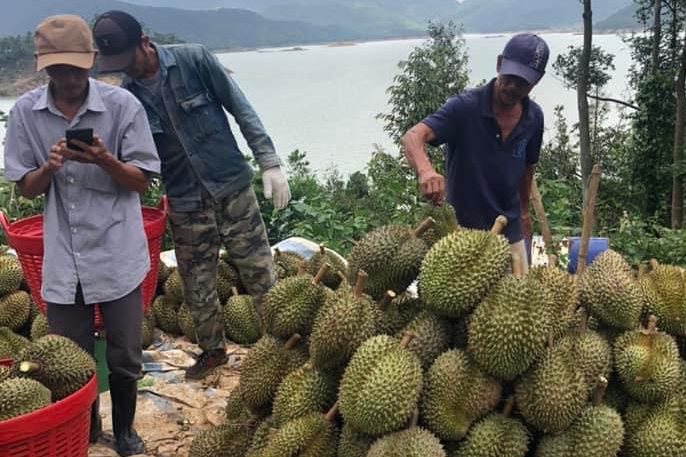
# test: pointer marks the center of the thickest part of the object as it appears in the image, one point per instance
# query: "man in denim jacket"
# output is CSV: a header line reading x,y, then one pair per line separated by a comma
x,y
185,90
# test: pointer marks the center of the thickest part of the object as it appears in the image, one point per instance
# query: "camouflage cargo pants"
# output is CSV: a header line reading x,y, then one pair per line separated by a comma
x,y
236,223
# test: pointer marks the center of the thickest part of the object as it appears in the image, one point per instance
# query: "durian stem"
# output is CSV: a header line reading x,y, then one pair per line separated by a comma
x,y
654,264
407,339
537,203
234,291
277,252
322,249
28,367
424,226
499,225
386,300
326,266
552,260
600,389
414,420
509,406
517,270
641,270
589,211
360,283
342,276
292,341
332,413
302,268
651,328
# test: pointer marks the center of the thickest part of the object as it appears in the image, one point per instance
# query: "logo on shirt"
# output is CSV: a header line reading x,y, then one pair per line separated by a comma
x,y
519,150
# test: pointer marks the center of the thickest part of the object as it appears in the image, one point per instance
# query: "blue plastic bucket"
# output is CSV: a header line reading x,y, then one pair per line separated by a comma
x,y
596,246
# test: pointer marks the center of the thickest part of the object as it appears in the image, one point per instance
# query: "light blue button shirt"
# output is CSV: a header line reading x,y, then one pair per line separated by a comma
x,y
93,228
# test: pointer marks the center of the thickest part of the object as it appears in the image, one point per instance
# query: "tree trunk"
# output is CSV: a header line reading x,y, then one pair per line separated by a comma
x,y
584,127
679,127
657,36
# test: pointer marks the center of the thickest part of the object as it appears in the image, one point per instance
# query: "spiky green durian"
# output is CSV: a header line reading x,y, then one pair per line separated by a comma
x,y
353,443
287,263
445,221
413,442
5,372
432,336
310,435
648,364
39,327
332,278
460,269
20,396
661,432
265,430
456,394
391,255
564,293
292,304
14,310
553,393
398,313
264,367
166,316
186,323
610,292
226,440
303,391
173,290
227,279
11,274
664,292
510,328
242,324
381,386
147,329
56,362
11,344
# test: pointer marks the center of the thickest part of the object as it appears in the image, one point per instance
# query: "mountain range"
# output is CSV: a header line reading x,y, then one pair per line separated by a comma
x,y
263,23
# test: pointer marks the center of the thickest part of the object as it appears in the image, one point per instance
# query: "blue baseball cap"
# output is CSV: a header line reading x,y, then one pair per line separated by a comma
x,y
526,56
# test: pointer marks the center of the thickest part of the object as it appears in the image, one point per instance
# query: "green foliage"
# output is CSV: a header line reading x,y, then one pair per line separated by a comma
x,y
567,67
640,240
16,55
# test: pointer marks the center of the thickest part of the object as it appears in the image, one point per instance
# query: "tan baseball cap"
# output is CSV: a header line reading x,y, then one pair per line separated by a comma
x,y
63,39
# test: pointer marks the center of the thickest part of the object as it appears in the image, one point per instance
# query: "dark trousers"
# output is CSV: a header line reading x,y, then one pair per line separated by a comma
x,y
122,320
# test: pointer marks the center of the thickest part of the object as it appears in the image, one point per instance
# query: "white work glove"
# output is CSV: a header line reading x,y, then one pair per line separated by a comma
x,y
276,185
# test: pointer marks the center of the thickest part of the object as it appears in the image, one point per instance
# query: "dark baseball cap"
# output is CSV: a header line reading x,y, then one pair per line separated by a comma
x,y
117,35
526,56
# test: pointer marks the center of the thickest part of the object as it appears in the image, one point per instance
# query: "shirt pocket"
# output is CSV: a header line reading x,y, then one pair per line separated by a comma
x,y
95,178
200,109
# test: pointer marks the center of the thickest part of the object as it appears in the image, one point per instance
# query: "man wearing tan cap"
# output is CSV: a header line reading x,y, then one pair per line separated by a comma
x,y
95,249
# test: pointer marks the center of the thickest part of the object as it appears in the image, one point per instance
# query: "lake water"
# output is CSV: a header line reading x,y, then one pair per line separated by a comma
x,y
324,100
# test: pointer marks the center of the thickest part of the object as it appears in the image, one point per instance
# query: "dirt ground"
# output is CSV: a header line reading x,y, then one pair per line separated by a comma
x,y
171,411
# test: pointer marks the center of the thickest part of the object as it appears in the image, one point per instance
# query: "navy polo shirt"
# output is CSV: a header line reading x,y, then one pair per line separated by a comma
x,y
483,173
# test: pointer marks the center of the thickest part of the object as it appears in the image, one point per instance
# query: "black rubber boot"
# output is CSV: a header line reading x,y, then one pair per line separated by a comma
x,y
124,394
96,422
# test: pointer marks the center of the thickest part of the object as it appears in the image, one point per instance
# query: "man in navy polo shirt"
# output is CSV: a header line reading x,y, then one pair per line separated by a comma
x,y
493,135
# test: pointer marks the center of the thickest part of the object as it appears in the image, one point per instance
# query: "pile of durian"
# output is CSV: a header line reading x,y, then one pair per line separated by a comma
x,y
482,363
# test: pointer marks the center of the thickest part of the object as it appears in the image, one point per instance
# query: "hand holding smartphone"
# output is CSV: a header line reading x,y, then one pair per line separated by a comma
x,y
83,135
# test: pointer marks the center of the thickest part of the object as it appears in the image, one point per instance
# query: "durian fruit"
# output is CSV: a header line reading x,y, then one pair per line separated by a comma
x,y
264,367
312,435
186,323
664,292
564,293
353,443
610,292
432,335
445,221
20,396
455,395
287,263
461,268
163,274
5,372
597,432
39,327
331,279
227,279
226,440
242,324
553,393
413,442
291,305
265,430
656,431
11,344
173,290
14,310
398,311
381,386
342,325
166,316
303,391
11,274
496,435
236,411
460,337
391,255
56,362
510,328
590,350
148,329
647,362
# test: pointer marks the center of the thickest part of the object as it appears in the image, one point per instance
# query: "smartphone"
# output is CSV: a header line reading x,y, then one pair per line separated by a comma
x,y
85,135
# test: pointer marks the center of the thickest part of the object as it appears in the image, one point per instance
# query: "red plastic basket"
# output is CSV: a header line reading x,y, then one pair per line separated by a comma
x,y
58,430
26,237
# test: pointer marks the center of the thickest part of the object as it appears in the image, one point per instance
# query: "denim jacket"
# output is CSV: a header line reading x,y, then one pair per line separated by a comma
x,y
195,90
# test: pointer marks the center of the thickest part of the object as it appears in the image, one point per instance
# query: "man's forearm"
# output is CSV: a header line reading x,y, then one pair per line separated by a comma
x,y
415,152
128,176
525,189
36,182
